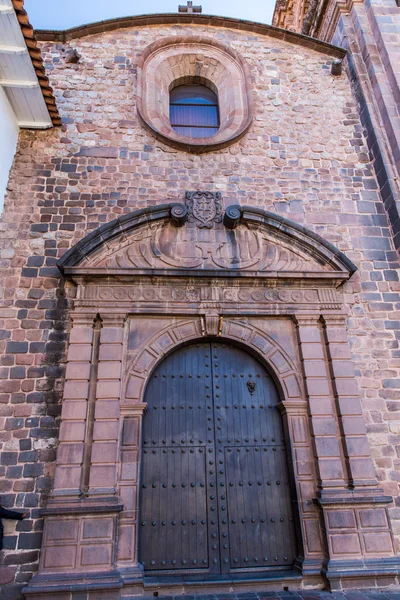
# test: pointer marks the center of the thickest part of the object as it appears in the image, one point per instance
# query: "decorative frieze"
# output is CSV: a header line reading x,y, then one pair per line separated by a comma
x,y
161,291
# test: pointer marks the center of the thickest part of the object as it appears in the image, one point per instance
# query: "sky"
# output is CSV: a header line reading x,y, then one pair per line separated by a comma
x,y
63,14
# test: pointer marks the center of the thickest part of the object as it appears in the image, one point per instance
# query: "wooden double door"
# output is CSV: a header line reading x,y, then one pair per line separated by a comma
x,y
215,496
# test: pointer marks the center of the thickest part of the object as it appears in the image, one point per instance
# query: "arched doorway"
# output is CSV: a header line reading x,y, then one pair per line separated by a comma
x,y
215,490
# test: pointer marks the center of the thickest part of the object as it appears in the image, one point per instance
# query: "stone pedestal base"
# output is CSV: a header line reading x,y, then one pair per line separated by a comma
x,y
363,573
360,542
78,551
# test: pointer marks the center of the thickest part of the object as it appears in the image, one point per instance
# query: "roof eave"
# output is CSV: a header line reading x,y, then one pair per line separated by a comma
x,y
39,71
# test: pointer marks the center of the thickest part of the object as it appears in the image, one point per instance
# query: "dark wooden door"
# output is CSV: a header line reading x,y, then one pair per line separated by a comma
x,y
215,495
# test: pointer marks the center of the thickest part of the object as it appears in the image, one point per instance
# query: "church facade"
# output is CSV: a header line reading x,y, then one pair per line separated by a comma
x,y
200,320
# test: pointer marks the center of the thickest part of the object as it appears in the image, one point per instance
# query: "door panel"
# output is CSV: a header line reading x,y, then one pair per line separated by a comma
x,y
174,516
215,495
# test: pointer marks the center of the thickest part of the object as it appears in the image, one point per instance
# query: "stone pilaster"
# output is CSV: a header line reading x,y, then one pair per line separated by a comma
x,y
330,461
104,449
351,422
70,455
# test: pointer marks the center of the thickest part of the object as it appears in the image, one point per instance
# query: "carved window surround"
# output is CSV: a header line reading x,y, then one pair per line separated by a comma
x,y
201,60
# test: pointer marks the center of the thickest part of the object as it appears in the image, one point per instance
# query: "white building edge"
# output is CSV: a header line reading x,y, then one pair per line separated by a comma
x,y
22,103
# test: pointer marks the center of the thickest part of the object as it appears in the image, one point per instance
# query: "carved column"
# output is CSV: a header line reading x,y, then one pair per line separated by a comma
x,y
330,462
104,447
70,454
351,423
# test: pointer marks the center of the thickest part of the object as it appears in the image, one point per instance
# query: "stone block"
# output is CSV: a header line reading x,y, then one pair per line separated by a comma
x,y
61,530
67,477
80,352
108,389
107,409
109,370
129,467
341,519
74,410
317,387
96,555
70,453
72,431
345,544
77,371
126,547
102,476
7,575
327,446
331,469
29,541
112,335
59,557
76,389
111,352
353,425
106,430
81,335
375,517
104,452
130,431
347,387
378,543
313,539
98,528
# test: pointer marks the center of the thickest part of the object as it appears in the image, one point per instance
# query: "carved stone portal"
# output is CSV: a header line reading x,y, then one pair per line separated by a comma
x,y
157,282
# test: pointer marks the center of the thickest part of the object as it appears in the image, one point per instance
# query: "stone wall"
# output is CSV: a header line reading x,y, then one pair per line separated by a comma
x,y
304,157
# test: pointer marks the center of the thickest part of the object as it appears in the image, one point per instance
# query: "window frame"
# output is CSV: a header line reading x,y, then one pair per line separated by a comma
x,y
188,104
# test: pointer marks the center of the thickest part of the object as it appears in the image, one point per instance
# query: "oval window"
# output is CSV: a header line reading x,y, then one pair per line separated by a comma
x,y
194,111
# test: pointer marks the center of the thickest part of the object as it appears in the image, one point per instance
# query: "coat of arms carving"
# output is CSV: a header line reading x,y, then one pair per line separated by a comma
x,y
204,208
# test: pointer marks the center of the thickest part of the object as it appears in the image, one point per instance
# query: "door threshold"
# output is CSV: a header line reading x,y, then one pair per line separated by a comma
x,y
237,578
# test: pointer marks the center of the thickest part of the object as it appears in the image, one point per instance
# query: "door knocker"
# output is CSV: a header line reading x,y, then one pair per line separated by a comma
x,y
251,386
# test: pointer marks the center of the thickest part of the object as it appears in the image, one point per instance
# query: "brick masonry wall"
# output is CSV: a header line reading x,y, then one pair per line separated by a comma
x,y
304,157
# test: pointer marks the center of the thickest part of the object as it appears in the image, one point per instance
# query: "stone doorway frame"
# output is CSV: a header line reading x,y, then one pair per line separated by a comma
x,y
295,323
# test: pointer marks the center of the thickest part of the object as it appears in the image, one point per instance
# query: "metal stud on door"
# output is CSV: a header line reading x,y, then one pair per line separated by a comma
x,y
215,495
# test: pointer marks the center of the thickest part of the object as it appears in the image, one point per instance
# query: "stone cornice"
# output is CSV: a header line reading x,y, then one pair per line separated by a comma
x,y
189,19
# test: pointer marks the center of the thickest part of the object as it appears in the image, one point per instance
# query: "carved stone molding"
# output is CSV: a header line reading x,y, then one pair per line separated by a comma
x,y
251,240
171,61
182,330
177,295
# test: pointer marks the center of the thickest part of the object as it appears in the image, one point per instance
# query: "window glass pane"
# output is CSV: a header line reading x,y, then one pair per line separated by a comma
x,y
192,94
194,111
194,115
196,132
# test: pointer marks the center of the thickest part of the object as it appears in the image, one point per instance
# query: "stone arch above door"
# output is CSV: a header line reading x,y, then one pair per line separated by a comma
x,y
181,331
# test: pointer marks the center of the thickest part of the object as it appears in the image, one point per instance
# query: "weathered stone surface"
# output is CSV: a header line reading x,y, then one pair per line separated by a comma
x,y
304,157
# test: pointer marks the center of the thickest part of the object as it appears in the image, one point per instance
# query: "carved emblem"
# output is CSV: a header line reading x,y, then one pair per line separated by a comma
x,y
204,208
